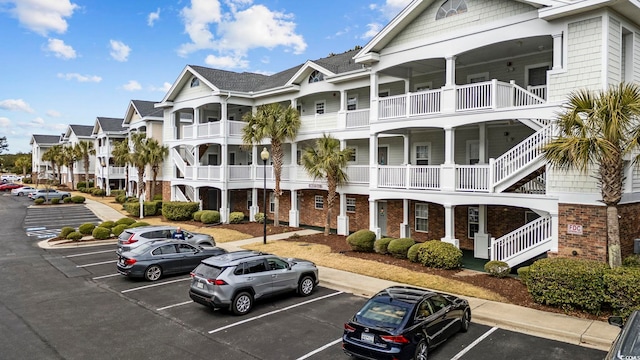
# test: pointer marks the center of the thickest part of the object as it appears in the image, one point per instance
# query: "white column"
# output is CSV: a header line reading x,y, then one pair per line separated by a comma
x,y
450,76
449,226
555,231
407,148
448,99
254,209
557,51
448,169
343,219
405,230
373,218
293,174
373,94
482,143
373,161
294,213
224,206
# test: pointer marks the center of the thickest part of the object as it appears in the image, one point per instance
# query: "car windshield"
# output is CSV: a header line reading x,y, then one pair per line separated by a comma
x,y
142,248
630,347
124,235
383,313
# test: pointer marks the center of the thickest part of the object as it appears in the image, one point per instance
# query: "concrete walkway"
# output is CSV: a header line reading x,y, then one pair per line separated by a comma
x,y
590,333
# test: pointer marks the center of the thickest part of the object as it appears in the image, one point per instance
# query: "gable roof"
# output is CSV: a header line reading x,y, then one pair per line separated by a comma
x,y
111,125
45,139
147,109
81,130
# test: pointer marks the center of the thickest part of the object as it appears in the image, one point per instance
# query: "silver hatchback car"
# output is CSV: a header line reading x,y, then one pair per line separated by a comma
x,y
134,237
234,280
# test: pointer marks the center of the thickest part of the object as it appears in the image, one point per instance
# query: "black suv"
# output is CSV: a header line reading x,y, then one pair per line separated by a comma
x,y
404,322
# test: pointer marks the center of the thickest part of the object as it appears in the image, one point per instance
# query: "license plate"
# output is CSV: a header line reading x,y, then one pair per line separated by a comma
x,y
200,285
367,337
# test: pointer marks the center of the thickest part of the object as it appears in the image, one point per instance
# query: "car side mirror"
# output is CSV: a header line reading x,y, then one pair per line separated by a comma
x,y
616,320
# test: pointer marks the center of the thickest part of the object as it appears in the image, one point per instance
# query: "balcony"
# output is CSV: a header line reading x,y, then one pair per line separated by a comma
x,y
213,129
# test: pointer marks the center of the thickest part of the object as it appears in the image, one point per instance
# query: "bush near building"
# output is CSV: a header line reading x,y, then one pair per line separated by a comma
x,y
399,247
210,217
362,240
101,233
380,246
439,254
179,210
236,217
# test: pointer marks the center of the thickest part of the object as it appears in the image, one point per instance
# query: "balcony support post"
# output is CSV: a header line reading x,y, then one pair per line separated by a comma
x,y
557,51
254,208
343,219
405,230
449,225
373,218
373,161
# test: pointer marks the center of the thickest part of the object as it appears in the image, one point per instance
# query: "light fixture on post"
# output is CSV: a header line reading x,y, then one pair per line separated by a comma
x,y
264,155
104,176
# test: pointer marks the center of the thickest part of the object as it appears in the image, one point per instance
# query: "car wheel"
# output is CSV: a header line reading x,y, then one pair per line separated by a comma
x,y
305,286
64,196
20,194
421,350
465,321
242,303
153,273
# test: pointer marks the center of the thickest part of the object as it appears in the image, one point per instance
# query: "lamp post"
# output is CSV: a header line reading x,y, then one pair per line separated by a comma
x,y
104,188
264,155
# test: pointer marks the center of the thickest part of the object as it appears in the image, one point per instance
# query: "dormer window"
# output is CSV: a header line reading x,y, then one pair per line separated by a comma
x,y
450,8
195,82
316,76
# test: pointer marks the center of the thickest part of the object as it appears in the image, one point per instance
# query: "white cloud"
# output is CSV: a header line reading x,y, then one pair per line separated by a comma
x,y
119,51
393,7
43,16
132,85
196,24
151,19
226,62
37,121
16,105
60,49
373,29
5,122
53,113
164,88
80,77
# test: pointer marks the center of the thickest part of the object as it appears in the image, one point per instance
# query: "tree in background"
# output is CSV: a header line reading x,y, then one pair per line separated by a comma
x,y
70,156
4,145
599,129
155,156
85,149
139,159
24,162
326,161
54,156
122,157
279,124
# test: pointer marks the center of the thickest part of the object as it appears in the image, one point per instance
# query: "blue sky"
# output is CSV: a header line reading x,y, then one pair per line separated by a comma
x,y
70,61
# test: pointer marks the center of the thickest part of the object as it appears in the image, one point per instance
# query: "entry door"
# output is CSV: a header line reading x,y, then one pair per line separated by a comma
x,y
383,155
213,199
382,218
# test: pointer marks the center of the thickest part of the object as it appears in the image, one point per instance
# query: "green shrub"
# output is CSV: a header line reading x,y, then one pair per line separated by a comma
x,y
157,197
497,268
131,199
197,215
210,217
568,283
86,228
259,217
39,201
77,199
622,286
121,199
179,210
75,236
101,233
362,240
116,193
440,254
98,192
412,253
108,224
81,184
55,201
380,246
632,260
150,208
236,217
125,221
27,180
137,224
66,200
523,273
66,231
399,247
118,229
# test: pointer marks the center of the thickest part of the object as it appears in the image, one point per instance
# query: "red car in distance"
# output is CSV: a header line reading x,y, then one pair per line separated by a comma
x,y
10,186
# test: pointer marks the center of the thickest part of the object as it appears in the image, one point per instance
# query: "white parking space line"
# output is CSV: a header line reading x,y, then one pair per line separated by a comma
x,y
91,253
98,263
478,340
154,285
308,355
274,312
174,305
106,276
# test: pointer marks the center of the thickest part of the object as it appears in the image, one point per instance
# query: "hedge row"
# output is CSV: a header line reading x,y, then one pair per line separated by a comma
x,y
103,231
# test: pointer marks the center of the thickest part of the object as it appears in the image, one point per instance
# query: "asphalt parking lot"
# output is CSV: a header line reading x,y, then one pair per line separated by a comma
x,y
72,304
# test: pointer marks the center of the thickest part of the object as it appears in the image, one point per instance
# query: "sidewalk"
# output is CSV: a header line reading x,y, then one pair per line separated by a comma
x,y
590,333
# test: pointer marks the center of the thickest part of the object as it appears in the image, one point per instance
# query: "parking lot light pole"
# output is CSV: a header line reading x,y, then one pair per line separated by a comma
x,y
265,156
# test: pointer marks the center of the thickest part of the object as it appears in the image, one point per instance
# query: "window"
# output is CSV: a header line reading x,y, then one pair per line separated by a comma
x,y
320,107
384,93
319,202
272,202
299,157
451,8
351,205
472,221
277,264
423,86
422,154
352,103
422,217
476,78
354,154
186,248
249,200
195,82
255,266
316,76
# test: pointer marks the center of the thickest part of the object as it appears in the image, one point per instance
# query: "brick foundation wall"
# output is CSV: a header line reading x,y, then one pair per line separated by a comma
x,y
360,218
629,227
309,215
165,187
592,244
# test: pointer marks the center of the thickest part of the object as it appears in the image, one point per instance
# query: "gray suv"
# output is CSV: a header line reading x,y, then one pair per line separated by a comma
x,y
134,237
234,280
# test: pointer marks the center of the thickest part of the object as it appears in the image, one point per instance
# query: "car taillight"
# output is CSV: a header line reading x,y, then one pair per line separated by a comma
x,y
129,261
216,282
349,328
130,240
398,339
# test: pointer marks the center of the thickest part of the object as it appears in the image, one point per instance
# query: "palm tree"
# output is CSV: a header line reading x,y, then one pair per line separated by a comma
x,y
24,162
155,155
599,129
53,155
122,157
139,158
279,124
85,149
70,156
327,161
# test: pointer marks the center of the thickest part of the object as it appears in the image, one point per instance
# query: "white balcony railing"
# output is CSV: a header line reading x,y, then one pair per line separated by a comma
x,y
239,172
357,118
420,177
528,238
472,178
117,170
235,127
358,174
319,122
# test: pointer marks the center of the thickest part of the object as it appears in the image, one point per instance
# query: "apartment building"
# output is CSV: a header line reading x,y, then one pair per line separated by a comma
x,y
42,169
107,133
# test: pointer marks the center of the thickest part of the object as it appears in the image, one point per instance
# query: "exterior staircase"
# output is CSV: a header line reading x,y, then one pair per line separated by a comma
x,y
524,243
